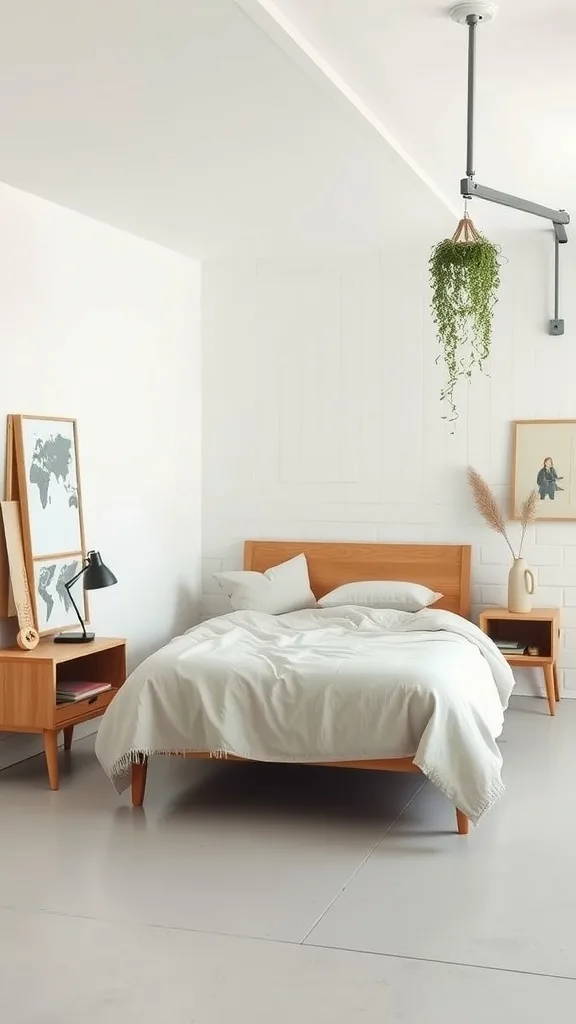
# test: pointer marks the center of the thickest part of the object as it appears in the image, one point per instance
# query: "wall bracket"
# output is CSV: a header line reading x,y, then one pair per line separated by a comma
x,y
556,325
471,14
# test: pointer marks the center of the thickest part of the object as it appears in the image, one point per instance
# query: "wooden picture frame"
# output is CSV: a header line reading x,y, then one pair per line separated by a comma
x,y
49,490
53,609
7,603
544,459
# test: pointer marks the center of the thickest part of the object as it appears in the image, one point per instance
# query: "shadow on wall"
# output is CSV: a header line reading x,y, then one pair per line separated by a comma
x,y
8,631
186,610
185,614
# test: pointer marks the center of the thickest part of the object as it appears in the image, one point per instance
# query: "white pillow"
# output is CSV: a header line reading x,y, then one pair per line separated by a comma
x,y
403,597
283,588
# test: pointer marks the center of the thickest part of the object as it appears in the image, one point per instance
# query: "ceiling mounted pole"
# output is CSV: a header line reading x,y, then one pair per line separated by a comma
x,y
472,21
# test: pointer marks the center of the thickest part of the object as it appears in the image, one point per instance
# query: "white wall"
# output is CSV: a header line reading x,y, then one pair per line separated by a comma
x,y
102,326
322,420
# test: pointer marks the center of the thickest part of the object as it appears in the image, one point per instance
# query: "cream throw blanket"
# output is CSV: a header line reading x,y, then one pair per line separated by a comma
x,y
332,684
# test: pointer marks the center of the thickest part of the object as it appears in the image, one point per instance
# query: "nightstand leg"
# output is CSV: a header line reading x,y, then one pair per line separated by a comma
x,y
556,687
68,734
550,688
51,752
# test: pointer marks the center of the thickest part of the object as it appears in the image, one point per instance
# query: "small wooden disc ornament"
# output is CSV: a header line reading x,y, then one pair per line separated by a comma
x,y
27,639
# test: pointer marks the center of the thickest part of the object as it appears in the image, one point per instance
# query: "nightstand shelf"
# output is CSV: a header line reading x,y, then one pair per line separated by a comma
x,y
539,628
28,682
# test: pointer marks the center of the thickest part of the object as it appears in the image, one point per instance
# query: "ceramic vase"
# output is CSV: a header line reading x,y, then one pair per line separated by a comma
x,y
520,587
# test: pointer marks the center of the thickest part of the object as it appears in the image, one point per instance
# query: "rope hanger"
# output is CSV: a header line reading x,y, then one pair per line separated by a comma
x,y
466,232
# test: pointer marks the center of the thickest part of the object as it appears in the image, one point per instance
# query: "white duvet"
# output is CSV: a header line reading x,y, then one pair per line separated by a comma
x,y
333,684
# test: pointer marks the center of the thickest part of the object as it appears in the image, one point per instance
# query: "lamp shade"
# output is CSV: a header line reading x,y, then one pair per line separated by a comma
x,y
97,575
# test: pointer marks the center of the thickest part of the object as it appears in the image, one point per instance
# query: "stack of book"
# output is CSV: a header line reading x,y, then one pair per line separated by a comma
x,y
510,646
67,692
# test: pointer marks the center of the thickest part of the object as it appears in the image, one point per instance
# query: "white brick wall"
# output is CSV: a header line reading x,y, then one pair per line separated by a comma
x,y
322,419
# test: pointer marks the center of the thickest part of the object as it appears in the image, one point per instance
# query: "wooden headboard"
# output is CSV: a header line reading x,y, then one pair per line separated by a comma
x,y
442,567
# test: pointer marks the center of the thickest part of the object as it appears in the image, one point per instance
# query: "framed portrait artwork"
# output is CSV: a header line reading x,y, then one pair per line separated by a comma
x,y
46,453
545,461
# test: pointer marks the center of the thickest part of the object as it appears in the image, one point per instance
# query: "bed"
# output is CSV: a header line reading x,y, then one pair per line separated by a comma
x,y
469,711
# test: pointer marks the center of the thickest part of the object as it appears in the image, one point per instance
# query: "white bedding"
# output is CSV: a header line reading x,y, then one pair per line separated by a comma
x,y
334,684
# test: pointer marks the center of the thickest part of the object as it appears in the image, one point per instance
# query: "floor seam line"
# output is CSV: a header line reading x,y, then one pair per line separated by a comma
x,y
446,963
361,865
292,942
121,923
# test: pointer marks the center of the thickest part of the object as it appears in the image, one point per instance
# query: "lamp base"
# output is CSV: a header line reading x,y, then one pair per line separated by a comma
x,y
74,638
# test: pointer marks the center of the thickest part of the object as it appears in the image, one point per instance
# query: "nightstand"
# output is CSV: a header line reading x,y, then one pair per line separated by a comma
x,y
539,628
28,689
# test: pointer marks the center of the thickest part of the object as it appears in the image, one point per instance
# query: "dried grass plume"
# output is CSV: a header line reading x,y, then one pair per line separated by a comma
x,y
527,515
492,514
486,502
528,509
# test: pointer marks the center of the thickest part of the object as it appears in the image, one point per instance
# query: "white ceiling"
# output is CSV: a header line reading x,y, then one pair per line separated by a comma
x,y
184,122
407,60
181,121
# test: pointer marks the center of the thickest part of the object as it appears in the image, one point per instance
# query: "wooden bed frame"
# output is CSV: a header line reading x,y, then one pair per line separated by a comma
x,y
442,567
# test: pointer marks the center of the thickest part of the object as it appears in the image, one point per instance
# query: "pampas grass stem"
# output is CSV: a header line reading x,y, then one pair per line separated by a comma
x,y
488,506
527,516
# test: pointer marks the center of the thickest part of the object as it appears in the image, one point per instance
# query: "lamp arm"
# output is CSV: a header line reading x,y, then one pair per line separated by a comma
x,y
71,582
68,586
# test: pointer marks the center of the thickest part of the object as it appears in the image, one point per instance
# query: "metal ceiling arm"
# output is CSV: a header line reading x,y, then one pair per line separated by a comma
x,y
470,189
471,14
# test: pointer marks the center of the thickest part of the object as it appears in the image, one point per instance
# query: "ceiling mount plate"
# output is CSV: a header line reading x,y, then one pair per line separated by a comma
x,y
483,11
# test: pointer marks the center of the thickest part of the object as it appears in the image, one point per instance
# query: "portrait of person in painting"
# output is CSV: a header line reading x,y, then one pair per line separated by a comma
x,y
547,480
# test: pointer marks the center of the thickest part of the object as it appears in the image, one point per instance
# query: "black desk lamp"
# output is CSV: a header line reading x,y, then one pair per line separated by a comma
x,y
96,575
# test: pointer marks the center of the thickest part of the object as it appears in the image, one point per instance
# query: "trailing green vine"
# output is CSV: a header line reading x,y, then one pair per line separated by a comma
x,y
465,277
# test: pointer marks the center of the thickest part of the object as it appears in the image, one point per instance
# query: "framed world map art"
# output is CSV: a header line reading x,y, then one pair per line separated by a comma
x,y
53,606
48,472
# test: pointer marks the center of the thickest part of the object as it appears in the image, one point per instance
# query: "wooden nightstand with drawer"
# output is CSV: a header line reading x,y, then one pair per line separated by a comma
x,y
28,681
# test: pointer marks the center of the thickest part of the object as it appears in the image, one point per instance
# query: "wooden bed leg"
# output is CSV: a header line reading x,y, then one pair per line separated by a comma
x,y
139,770
463,823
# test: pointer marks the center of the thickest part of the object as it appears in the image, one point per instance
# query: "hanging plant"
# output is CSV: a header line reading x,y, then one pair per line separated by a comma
x,y
465,277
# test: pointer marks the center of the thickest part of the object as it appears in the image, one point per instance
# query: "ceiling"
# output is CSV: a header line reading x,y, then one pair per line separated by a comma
x,y
182,122
187,123
407,60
